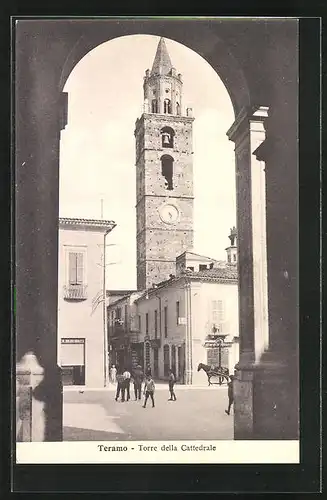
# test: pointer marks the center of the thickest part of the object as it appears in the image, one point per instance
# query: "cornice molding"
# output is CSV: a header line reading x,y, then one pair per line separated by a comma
x,y
241,125
86,223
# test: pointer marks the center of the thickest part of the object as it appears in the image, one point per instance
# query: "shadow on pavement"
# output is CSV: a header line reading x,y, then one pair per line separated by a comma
x,y
78,434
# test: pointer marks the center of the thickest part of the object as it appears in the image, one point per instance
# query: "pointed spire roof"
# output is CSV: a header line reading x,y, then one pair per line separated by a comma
x,y
162,63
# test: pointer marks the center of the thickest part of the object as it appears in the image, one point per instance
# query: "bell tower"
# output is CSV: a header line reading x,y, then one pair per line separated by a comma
x,y
164,173
232,249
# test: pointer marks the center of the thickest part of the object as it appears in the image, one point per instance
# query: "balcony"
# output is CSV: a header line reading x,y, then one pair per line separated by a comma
x,y
75,292
135,337
119,330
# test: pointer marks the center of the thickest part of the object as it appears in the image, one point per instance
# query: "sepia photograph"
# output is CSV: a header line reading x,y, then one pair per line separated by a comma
x,y
157,301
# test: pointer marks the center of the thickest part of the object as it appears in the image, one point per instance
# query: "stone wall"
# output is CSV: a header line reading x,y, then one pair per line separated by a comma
x,y
156,240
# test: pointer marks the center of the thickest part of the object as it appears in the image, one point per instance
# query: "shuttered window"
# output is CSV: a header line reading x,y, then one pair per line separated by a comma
x,y
166,321
216,358
76,268
155,323
218,315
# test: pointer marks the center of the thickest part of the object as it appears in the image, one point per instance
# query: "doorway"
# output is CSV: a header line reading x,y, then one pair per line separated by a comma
x,y
156,362
181,363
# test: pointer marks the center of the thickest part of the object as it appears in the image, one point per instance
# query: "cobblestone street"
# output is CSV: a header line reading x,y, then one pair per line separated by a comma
x,y
198,413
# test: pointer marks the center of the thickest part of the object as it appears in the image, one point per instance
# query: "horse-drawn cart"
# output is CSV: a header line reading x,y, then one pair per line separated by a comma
x,y
217,375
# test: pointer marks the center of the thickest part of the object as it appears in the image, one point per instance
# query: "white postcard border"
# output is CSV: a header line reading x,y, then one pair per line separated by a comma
x,y
161,452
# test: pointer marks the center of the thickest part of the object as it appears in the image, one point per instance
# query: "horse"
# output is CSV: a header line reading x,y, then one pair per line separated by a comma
x,y
216,371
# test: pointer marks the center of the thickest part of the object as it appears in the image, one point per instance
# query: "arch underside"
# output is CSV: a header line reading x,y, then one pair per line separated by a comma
x,y
216,51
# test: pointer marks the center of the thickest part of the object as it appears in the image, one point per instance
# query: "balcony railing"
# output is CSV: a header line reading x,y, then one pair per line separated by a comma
x,y
75,292
121,331
116,330
135,337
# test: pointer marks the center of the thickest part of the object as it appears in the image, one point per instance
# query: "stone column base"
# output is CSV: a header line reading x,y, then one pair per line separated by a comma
x,y
267,398
38,401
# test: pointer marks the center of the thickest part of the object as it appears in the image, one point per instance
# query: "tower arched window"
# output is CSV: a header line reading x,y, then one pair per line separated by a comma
x,y
167,137
167,171
154,106
167,106
178,108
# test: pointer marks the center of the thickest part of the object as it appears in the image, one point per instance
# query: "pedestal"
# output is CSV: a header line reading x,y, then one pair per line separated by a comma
x,y
266,398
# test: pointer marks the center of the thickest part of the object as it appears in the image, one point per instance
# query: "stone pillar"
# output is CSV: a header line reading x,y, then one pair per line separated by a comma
x,y
38,119
188,337
29,375
248,133
266,387
276,395
198,316
259,234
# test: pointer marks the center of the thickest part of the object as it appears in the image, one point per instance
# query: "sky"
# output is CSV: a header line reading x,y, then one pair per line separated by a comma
x,y
97,150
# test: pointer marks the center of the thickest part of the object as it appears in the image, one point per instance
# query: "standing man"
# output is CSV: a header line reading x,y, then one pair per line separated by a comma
x,y
138,379
127,381
171,382
230,394
149,389
120,387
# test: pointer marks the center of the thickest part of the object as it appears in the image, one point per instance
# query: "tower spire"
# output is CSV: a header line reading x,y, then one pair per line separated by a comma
x,y
163,85
162,63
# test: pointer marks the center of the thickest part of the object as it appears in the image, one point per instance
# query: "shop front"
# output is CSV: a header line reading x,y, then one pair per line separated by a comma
x,y
72,360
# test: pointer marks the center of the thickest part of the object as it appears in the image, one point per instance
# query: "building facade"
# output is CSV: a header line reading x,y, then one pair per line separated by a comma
x,y
124,337
189,319
164,173
81,334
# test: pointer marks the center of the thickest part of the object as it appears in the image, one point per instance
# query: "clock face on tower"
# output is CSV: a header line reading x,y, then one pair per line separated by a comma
x,y
169,214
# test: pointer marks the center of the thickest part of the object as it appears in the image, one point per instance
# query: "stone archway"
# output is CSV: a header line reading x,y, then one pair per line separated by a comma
x,y
257,62
202,40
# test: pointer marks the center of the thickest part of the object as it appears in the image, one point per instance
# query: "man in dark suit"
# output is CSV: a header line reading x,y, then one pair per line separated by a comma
x,y
120,387
138,377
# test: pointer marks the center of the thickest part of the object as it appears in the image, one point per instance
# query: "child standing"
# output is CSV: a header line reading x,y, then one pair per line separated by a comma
x,y
113,374
149,389
171,382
